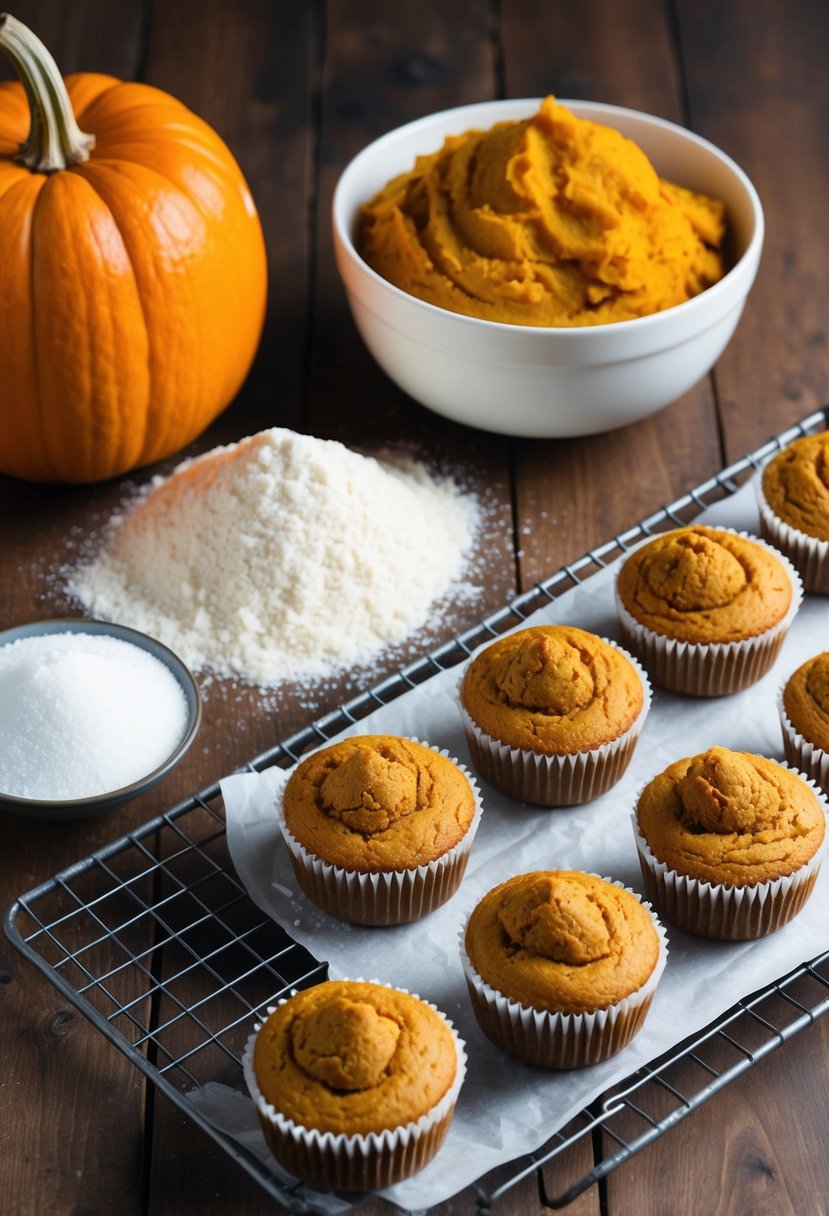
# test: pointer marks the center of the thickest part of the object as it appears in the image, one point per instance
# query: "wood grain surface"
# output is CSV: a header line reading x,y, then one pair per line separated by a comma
x,y
296,89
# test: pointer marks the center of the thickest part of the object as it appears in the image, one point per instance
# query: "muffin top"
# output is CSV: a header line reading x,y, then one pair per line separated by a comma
x,y
701,585
806,700
553,689
562,941
730,817
352,1057
377,802
796,485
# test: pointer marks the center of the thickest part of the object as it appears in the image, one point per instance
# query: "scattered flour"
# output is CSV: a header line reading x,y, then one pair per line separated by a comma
x,y
281,556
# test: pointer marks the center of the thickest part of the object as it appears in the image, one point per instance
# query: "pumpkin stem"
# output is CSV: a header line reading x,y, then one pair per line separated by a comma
x,y
55,140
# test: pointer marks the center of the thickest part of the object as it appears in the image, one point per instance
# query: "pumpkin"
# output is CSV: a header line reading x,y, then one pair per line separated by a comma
x,y
134,278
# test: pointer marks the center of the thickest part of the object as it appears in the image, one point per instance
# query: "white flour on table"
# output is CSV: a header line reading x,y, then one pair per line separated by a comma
x,y
282,556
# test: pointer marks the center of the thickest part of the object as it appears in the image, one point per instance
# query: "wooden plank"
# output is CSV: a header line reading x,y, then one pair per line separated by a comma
x,y
744,96
97,39
357,43
410,30
595,51
249,74
759,1146
386,64
75,1153
758,88
58,1139
573,494
246,71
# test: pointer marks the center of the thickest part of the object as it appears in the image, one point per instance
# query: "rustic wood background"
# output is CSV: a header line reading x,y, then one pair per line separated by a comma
x,y
296,89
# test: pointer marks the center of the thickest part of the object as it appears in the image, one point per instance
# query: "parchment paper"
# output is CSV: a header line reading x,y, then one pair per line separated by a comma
x,y
507,1109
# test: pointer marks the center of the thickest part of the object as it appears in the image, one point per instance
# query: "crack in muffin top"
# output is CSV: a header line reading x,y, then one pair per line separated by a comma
x,y
378,802
554,689
705,585
730,817
806,700
354,1057
562,941
796,485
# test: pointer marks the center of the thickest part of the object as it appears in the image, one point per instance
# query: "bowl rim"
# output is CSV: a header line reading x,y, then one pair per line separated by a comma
x,y
580,333
63,807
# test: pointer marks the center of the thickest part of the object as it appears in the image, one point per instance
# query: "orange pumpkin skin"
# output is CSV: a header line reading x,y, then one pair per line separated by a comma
x,y
132,288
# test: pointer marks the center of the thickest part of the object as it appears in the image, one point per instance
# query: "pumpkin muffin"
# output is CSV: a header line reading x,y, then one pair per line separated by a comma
x,y
355,1083
793,497
561,966
552,713
379,828
729,843
706,609
804,715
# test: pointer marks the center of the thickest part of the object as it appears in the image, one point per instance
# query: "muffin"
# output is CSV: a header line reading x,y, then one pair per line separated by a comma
x,y
729,843
379,828
793,497
552,714
706,609
355,1083
561,966
804,715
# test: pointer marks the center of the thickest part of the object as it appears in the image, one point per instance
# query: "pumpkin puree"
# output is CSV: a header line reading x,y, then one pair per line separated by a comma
x,y
554,220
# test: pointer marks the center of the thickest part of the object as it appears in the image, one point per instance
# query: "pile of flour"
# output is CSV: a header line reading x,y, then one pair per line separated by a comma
x,y
282,556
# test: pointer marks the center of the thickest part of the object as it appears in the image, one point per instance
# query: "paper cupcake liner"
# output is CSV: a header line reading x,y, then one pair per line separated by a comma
x,y
723,912
390,897
711,669
562,1040
808,554
550,780
342,1162
806,757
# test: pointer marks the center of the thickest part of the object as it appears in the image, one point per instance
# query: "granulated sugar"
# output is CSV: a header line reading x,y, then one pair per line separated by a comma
x,y
282,556
83,714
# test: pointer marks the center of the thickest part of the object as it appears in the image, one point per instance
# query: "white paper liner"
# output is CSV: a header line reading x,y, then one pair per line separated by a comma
x,y
711,669
507,1110
392,897
808,554
553,780
809,759
563,1040
361,1161
724,912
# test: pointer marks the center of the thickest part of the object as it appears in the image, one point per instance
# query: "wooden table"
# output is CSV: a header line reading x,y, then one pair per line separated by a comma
x,y
296,89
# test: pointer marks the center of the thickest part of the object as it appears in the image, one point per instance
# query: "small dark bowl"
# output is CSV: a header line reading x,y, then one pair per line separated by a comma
x,y
78,808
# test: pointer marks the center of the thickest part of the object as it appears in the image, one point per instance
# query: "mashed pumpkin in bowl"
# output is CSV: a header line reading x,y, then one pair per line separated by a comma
x,y
553,220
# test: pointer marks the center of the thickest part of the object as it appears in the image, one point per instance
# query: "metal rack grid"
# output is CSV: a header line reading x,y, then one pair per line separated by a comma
x,y
121,931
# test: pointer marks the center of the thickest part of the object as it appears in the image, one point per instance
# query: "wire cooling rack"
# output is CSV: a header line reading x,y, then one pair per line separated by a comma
x,y
156,942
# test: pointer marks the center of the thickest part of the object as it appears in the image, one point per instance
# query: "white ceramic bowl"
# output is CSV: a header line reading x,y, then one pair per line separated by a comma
x,y
545,382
